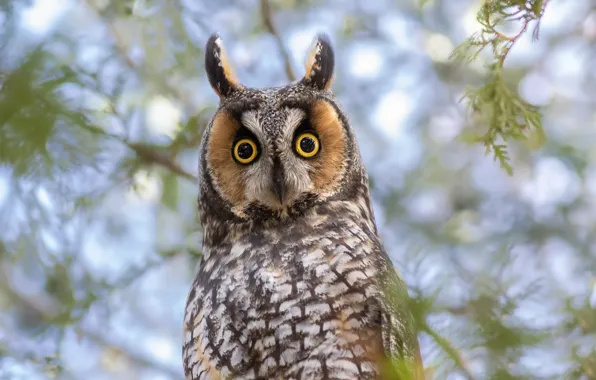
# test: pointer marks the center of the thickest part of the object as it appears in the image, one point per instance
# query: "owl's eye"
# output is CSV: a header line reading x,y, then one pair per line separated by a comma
x,y
307,145
245,151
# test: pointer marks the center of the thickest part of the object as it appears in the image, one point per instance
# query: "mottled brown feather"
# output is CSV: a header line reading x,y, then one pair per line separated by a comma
x,y
330,163
227,173
229,70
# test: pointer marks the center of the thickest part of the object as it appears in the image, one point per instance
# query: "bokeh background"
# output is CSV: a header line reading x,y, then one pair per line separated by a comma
x,y
102,105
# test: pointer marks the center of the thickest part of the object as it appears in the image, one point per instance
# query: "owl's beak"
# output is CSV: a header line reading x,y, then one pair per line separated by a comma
x,y
279,187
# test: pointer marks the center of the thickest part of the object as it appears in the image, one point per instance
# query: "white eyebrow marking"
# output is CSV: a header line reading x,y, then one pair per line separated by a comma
x,y
293,120
295,116
250,119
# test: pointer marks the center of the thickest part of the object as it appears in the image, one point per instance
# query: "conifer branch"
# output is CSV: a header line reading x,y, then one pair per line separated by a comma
x,y
525,13
505,113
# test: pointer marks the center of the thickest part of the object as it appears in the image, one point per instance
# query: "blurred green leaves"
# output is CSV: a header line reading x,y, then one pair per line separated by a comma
x,y
170,192
41,134
27,116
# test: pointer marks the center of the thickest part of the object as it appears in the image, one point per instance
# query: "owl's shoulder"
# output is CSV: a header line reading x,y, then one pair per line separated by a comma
x,y
322,279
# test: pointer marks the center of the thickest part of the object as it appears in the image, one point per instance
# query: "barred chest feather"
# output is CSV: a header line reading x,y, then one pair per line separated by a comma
x,y
293,301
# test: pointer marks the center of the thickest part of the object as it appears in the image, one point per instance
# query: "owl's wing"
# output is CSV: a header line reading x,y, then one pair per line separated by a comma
x,y
400,338
217,340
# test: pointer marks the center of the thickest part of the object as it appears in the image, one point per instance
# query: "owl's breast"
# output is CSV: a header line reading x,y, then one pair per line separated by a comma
x,y
290,308
316,309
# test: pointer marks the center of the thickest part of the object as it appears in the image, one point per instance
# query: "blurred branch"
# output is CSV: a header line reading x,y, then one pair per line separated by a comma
x,y
46,309
121,47
268,21
145,152
149,154
102,340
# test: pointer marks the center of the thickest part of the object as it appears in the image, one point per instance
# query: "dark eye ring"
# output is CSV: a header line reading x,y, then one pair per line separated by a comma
x,y
307,145
245,151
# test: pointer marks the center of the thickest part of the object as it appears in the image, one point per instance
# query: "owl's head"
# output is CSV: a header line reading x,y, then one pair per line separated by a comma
x,y
274,152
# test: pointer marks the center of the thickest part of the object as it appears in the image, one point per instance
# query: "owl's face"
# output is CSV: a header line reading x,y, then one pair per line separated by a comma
x,y
275,151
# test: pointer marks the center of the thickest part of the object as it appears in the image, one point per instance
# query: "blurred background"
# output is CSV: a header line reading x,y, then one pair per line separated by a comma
x,y
102,106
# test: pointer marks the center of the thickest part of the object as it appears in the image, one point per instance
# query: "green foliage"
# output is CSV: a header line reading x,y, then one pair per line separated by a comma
x,y
398,370
506,115
41,134
24,104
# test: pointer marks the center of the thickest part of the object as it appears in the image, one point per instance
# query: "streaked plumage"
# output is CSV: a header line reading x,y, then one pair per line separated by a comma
x,y
294,282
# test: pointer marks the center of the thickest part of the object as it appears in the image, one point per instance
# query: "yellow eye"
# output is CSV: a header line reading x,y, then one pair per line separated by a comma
x,y
245,151
307,145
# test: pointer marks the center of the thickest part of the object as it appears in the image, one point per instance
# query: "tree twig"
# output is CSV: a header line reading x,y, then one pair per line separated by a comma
x,y
143,151
102,340
511,41
266,13
449,349
148,153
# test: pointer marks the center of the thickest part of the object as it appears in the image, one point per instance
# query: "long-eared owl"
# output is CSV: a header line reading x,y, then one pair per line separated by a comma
x,y
294,282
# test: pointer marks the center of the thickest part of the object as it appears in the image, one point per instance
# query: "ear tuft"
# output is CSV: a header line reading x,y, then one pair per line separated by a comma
x,y
320,64
219,70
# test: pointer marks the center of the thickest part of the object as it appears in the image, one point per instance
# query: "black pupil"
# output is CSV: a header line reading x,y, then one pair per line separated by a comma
x,y
244,150
307,144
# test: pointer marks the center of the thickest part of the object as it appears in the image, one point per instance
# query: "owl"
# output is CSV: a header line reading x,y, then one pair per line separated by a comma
x,y
293,282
